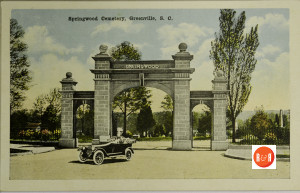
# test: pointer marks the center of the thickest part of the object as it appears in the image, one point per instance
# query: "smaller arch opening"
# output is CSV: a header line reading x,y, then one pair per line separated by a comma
x,y
201,124
84,122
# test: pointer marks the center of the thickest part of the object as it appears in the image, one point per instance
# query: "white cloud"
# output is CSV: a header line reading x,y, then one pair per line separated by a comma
x,y
125,26
49,69
202,77
268,50
39,40
277,21
270,83
171,36
186,32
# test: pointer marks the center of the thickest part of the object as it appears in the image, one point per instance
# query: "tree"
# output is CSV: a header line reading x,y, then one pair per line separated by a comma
x,y
204,123
167,104
19,73
125,52
233,53
51,118
130,100
18,121
84,119
43,101
145,120
260,123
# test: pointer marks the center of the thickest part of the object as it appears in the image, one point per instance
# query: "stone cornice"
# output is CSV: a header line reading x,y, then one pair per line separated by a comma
x,y
134,71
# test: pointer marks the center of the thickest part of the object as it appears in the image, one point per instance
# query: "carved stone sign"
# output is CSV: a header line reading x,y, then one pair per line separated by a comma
x,y
140,66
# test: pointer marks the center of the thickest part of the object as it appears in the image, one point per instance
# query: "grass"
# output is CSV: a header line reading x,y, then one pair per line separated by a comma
x,y
84,139
155,139
201,138
282,156
168,138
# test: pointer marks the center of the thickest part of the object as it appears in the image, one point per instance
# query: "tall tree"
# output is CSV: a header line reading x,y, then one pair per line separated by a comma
x,y
130,100
167,103
233,52
125,52
145,120
41,103
19,73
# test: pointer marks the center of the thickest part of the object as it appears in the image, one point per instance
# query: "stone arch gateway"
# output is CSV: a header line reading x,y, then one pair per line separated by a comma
x,y
170,76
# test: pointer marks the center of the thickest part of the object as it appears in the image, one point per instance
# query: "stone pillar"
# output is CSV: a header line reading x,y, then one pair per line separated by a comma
x,y
102,100
218,136
67,134
182,133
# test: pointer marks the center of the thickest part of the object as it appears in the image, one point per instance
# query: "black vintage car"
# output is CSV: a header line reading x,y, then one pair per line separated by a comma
x,y
116,146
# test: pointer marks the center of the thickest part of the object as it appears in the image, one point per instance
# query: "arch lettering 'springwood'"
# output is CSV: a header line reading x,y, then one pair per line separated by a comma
x,y
171,76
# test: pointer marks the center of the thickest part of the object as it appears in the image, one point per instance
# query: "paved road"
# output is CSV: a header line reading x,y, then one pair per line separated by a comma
x,y
157,163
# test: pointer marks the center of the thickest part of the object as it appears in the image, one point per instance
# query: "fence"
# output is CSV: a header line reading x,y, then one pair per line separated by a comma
x,y
261,136
36,135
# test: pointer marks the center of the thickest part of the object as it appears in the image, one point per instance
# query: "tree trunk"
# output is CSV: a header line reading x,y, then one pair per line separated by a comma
x,y
124,125
233,129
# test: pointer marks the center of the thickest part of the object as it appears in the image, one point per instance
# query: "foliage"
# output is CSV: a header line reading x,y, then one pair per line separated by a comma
x,y
270,138
263,128
18,120
204,123
145,121
154,139
128,133
130,100
51,118
260,123
19,74
167,104
42,102
125,52
85,139
85,120
164,123
233,52
43,135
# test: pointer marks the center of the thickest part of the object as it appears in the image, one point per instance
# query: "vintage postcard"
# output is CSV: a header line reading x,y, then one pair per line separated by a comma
x,y
136,95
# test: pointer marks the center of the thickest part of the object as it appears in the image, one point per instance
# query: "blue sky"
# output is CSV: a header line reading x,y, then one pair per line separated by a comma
x,y
57,45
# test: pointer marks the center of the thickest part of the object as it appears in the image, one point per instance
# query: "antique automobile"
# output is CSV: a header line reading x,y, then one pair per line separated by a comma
x,y
115,146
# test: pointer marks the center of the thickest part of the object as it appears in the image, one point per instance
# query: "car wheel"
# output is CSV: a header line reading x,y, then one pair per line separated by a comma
x,y
98,157
81,157
128,154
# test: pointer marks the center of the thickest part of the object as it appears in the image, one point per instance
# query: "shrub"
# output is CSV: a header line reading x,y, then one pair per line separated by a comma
x,y
46,135
270,138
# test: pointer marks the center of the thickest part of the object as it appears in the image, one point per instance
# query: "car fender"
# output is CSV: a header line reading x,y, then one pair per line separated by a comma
x,y
97,149
131,149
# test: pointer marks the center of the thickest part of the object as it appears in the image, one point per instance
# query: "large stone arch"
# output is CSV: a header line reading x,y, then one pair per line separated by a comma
x,y
171,76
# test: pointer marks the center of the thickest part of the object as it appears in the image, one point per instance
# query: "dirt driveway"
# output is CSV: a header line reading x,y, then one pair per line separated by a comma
x,y
147,163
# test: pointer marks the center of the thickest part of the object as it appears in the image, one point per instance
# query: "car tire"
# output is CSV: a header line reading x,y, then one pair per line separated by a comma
x,y
81,158
98,157
128,154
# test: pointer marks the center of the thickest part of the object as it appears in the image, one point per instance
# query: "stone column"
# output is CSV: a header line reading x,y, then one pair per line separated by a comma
x,y
182,133
218,135
67,138
102,104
